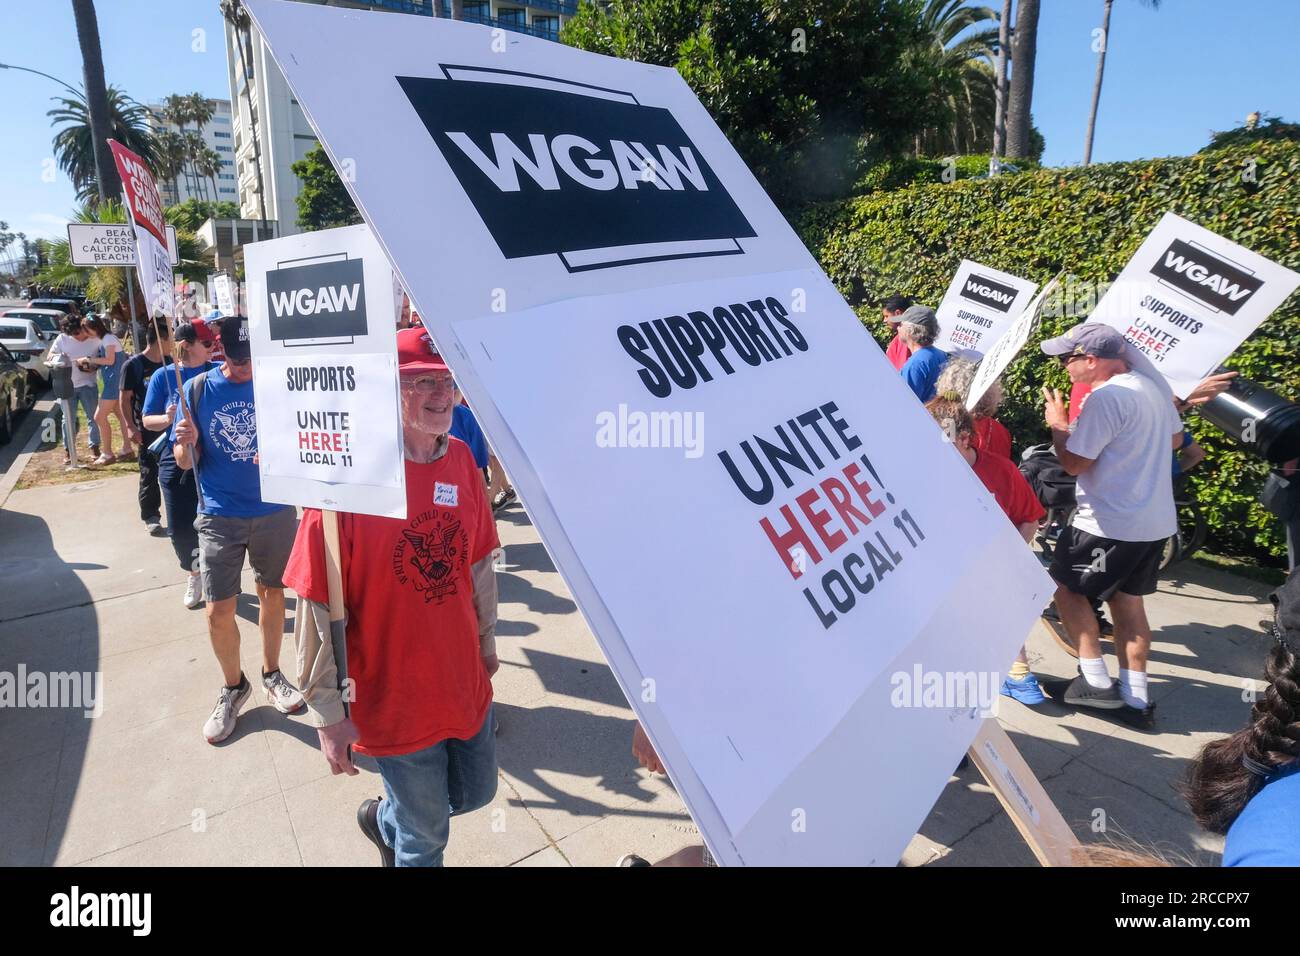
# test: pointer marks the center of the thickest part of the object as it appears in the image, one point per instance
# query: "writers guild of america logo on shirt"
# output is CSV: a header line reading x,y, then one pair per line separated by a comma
x,y
430,554
444,494
233,430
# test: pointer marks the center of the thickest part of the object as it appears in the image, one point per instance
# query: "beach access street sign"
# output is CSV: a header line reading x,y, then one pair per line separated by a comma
x,y
324,340
144,210
1189,297
775,547
980,305
110,244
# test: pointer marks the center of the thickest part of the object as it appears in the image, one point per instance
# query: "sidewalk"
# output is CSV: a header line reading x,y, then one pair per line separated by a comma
x,y
83,588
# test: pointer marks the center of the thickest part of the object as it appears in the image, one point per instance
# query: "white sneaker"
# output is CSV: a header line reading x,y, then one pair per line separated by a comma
x,y
193,595
282,695
222,722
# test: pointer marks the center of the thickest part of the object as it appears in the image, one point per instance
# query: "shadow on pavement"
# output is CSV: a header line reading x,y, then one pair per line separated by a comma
x,y
47,626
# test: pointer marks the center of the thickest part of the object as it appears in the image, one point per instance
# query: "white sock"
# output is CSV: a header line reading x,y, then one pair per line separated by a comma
x,y
1133,688
1094,671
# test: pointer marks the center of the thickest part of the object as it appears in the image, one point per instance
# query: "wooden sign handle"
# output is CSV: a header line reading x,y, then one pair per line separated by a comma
x,y
1022,796
333,564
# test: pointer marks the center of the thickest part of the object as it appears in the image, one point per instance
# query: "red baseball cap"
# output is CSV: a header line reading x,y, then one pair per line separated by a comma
x,y
416,353
195,329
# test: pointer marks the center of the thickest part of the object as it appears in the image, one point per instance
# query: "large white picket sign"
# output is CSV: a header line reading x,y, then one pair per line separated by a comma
x,y
323,335
1189,297
980,305
770,539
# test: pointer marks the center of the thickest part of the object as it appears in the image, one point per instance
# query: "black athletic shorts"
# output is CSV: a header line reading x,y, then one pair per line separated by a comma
x,y
1097,567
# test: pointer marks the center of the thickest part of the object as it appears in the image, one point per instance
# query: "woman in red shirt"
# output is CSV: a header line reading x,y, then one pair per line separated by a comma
x,y
990,435
1014,496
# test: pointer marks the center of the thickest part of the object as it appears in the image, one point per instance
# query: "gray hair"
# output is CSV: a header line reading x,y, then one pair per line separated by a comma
x,y
957,377
922,334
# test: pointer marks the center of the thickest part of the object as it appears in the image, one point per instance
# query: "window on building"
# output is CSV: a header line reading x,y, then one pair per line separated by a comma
x,y
512,16
224,176
548,27
477,10
225,149
220,135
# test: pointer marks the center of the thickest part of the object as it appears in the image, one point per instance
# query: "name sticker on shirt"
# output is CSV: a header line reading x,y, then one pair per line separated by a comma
x,y
444,494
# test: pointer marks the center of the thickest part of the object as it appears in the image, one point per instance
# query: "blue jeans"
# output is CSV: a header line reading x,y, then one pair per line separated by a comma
x,y
425,789
88,397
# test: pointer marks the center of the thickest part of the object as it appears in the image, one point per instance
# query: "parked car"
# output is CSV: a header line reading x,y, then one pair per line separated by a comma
x,y
59,305
15,393
47,320
29,346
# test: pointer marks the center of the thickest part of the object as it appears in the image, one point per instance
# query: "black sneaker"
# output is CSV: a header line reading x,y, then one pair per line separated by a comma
x,y
1138,719
631,859
368,820
1082,694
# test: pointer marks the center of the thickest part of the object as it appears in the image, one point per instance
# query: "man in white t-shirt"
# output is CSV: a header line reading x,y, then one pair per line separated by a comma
x,y
1120,450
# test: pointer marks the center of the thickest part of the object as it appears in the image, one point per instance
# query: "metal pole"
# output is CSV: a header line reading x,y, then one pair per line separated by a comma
x,y
137,327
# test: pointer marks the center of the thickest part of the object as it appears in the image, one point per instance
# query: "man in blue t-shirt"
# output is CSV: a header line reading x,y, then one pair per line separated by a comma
x,y
919,328
466,427
218,439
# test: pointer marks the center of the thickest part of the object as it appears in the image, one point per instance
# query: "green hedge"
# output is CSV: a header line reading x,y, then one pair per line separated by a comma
x,y
893,174
1088,222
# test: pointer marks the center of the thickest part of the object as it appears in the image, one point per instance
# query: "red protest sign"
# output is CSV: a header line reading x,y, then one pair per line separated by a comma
x,y
140,191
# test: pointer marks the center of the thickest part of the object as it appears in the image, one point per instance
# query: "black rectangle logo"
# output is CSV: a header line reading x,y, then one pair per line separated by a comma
x,y
1222,285
988,292
559,168
322,300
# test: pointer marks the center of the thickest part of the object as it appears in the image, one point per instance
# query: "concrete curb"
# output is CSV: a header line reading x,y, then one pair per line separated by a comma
x,y
35,417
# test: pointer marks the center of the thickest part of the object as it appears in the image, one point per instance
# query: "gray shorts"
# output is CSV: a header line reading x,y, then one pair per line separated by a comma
x,y
223,542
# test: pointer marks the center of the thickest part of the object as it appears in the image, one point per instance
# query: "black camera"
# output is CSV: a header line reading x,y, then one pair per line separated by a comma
x,y
1260,420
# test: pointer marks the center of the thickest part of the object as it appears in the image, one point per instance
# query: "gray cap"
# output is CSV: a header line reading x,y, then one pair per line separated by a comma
x,y
923,316
1088,338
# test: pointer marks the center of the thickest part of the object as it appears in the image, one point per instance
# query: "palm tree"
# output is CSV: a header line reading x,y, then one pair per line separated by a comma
x,y
169,159
961,49
1000,88
74,143
207,164
1101,69
1024,50
99,115
234,13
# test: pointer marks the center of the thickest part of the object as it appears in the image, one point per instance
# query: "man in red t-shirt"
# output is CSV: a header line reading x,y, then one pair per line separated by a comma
x,y
893,308
1016,499
419,651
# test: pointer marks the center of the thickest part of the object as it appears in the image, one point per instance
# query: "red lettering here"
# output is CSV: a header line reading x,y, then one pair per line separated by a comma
x,y
834,489
851,472
785,542
820,519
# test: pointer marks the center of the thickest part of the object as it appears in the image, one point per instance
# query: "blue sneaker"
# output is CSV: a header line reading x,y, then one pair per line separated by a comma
x,y
1025,690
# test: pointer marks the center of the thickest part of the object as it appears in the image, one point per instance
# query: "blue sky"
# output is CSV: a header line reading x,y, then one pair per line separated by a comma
x,y
1172,76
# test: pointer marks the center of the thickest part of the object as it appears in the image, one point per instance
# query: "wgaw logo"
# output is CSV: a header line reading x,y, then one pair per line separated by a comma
x,y
1222,285
588,174
319,303
987,292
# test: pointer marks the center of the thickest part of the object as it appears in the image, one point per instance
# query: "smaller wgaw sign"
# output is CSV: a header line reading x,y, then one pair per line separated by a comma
x,y
323,332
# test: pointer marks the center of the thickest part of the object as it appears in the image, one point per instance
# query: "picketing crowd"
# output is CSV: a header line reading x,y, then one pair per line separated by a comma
x,y
403,675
